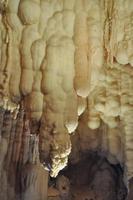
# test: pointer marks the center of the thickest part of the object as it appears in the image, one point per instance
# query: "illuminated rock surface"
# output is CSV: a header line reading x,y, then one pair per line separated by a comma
x,y
66,90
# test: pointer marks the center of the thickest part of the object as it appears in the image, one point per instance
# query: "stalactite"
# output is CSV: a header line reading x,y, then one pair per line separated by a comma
x,y
18,136
65,78
25,141
2,111
10,146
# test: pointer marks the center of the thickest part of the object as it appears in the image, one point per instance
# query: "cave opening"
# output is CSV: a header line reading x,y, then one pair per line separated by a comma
x,y
91,178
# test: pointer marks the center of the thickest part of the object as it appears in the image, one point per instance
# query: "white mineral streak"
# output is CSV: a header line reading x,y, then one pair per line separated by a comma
x,y
65,58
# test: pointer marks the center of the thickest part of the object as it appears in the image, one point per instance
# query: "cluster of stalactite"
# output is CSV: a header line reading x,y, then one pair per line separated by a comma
x,y
19,157
62,59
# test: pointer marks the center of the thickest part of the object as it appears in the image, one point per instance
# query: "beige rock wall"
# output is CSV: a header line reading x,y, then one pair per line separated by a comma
x,y
63,57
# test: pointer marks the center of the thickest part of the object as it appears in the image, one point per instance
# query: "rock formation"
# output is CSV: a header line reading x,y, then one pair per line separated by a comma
x,y
66,99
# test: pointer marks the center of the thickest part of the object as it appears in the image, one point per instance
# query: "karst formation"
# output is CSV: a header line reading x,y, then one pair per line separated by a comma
x,y
66,99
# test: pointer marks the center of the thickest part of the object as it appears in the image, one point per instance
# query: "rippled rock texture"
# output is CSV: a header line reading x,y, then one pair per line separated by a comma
x,y
66,86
